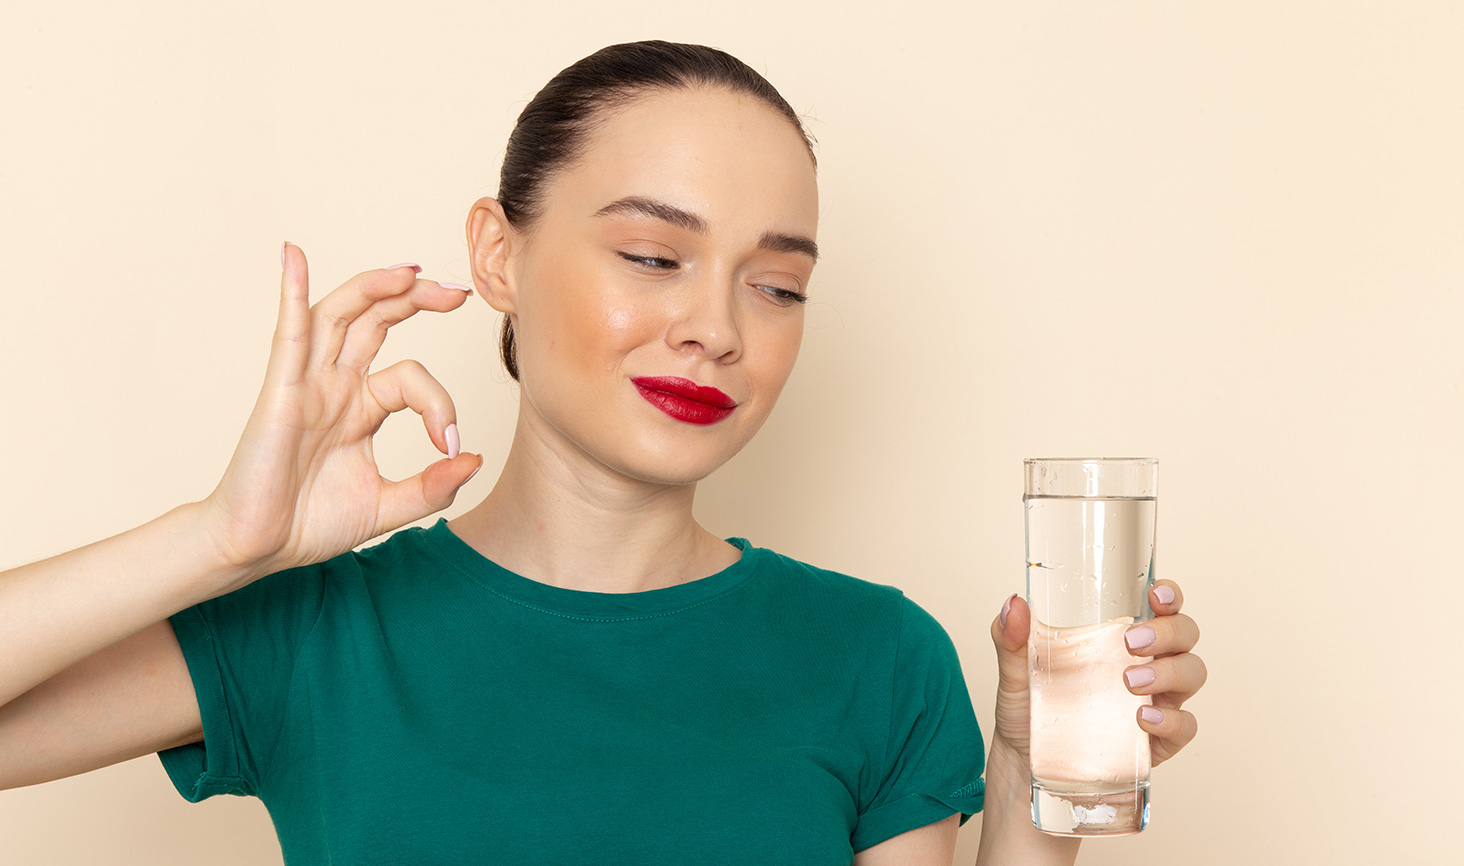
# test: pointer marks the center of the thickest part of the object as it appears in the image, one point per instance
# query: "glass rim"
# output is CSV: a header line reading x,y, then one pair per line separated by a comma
x,y
1143,461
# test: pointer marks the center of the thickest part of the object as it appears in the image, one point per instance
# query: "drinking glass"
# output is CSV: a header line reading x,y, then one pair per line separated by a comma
x,y
1090,563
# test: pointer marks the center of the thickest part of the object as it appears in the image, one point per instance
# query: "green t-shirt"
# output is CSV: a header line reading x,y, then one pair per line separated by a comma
x,y
415,703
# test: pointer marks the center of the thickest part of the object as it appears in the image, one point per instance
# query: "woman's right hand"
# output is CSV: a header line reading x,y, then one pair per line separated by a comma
x,y
303,485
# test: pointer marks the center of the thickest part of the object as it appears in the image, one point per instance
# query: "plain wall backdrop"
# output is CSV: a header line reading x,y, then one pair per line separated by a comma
x,y
1230,236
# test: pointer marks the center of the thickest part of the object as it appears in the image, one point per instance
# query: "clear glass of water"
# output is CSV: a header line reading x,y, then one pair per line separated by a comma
x,y
1090,564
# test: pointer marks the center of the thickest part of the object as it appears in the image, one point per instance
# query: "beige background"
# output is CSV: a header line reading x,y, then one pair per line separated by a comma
x,y
1227,235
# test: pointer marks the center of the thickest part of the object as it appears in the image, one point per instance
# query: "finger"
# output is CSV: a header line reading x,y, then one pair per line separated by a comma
x,y
1163,635
337,310
1172,731
1165,598
291,343
1009,633
429,491
1176,677
365,335
407,385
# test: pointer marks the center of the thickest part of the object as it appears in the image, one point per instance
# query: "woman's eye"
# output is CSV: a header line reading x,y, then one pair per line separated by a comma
x,y
654,262
785,297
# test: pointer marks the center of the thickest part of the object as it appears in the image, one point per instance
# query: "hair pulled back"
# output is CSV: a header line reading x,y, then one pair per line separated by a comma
x,y
553,129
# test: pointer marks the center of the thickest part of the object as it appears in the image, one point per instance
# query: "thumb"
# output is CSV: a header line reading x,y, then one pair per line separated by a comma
x,y
442,480
427,492
1009,633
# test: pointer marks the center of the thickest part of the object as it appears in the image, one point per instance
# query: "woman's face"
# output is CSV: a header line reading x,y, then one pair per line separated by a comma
x,y
655,300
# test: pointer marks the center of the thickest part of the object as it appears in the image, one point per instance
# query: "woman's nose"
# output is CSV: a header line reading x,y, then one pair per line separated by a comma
x,y
707,323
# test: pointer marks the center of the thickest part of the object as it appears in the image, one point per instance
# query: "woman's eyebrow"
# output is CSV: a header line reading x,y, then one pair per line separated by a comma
x,y
669,213
780,243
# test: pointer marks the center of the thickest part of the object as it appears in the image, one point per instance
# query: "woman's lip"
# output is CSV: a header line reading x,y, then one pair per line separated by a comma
x,y
684,399
686,389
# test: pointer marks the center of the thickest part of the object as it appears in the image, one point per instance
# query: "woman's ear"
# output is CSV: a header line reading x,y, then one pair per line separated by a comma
x,y
489,240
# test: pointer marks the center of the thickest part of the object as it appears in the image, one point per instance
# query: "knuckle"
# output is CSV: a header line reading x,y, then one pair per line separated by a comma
x,y
1185,727
1182,633
370,320
324,318
413,368
373,278
375,319
384,283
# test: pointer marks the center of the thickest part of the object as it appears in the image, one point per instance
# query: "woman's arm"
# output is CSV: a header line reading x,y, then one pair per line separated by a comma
x,y
931,845
1008,837
132,698
91,672
1007,834
84,635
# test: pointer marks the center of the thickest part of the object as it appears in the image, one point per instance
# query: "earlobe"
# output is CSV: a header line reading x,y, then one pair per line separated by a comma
x,y
489,239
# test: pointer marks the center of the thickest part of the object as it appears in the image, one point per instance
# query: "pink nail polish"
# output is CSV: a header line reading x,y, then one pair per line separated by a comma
x,y
413,265
1139,677
1138,638
282,254
471,474
1152,715
456,286
453,445
1165,594
1006,608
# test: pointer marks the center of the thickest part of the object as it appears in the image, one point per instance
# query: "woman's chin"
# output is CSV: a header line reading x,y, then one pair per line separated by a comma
x,y
670,470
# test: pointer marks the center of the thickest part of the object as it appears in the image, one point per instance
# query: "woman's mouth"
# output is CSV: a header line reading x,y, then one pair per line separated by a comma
x,y
684,399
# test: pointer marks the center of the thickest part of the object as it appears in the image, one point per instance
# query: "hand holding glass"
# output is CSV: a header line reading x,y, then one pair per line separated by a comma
x,y
1090,563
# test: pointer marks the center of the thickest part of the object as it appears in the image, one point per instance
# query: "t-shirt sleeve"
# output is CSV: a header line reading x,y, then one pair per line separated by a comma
x,y
935,755
241,650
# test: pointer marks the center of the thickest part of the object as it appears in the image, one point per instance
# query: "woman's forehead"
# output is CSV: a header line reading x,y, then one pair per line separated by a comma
x,y
727,157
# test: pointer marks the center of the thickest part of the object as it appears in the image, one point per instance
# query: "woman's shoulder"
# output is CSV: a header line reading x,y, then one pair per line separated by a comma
x,y
826,579
844,592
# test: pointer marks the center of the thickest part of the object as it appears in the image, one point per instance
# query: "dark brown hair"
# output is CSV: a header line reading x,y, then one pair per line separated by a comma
x,y
553,129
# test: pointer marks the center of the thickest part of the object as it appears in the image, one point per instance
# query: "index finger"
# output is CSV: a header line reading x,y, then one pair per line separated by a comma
x,y
1165,598
291,343
334,313
365,335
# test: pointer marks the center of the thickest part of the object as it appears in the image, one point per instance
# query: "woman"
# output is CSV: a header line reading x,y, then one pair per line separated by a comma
x,y
573,667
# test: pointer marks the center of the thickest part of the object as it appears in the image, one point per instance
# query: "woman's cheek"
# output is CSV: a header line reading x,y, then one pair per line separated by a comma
x,y
781,349
620,320
620,326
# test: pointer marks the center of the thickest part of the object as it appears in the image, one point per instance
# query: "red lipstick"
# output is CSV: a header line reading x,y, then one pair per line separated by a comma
x,y
684,399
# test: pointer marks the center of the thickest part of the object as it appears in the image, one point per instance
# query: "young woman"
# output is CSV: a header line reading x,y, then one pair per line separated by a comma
x,y
573,668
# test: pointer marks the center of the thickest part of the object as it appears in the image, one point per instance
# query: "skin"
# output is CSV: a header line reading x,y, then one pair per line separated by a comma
x,y
597,490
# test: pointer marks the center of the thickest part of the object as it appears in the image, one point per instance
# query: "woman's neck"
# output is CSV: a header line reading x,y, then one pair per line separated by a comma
x,y
559,517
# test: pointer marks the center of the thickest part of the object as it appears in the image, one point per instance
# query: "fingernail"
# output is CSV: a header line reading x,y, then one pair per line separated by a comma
x,y
413,265
1152,715
1006,608
453,445
471,474
1165,594
456,286
1139,677
1139,638
282,254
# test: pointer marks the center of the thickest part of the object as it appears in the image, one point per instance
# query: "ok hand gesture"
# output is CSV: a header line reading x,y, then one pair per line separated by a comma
x,y
303,485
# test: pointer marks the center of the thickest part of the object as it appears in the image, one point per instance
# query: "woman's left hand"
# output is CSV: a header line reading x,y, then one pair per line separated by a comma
x,y
1172,678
